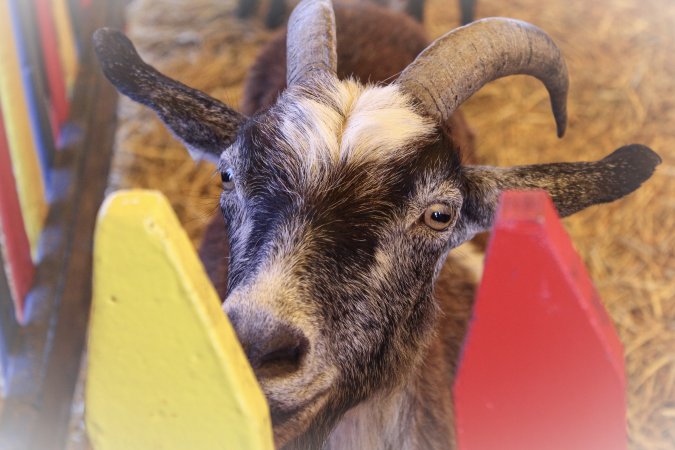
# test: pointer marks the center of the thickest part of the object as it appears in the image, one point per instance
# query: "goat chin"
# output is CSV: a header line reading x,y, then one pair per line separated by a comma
x,y
402,418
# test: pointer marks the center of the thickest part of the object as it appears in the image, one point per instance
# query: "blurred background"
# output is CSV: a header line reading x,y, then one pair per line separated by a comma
x,y
620,59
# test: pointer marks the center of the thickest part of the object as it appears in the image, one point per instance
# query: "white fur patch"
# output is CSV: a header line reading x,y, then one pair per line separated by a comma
x,y
346,121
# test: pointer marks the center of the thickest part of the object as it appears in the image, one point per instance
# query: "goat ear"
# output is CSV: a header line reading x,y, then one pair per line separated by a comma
x,y
572,186
205,125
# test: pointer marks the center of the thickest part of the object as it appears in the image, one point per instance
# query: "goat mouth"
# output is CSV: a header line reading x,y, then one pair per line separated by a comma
x,y
289,422
282,414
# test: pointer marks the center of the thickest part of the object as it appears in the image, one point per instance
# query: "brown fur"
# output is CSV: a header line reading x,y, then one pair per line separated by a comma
x,y
419,415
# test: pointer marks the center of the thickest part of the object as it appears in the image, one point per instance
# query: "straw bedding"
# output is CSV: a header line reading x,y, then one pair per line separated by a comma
x,y
620,58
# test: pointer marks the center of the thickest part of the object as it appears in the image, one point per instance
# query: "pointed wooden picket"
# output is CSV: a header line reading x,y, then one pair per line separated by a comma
x,y
66,41
542,367
165,368
15,248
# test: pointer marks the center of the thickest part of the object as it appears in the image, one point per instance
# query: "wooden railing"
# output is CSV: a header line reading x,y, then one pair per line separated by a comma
x,y
542,367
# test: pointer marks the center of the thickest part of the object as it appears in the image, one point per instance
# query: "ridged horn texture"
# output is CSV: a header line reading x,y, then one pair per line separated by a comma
x,y
310,45
462,61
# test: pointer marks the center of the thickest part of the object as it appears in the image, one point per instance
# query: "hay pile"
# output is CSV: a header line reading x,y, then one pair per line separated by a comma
x,y
620,58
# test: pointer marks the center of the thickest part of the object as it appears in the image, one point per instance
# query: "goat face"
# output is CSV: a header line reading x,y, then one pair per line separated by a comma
x,y
327,200
341,201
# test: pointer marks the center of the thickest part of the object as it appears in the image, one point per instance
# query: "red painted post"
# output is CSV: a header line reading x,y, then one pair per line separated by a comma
x,y
542,367
50,50
14,244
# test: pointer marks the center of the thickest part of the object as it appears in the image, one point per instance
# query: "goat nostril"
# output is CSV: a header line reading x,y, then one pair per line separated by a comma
x,y
273,347
284,355
289,355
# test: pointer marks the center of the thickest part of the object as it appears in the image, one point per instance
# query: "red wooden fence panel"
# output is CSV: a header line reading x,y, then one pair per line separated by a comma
x,y
49,42
542,366
14,244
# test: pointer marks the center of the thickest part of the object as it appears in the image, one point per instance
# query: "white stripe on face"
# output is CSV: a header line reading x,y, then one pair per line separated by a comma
x,y
349,122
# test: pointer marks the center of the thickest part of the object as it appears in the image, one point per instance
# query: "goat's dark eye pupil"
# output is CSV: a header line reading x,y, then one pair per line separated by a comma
x,y
440,217
228,180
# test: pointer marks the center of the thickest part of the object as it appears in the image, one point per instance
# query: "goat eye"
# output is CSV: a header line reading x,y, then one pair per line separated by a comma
x,y
228,179
439,217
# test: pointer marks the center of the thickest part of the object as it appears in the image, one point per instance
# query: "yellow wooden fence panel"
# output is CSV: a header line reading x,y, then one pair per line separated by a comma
x,y
165,368
66,38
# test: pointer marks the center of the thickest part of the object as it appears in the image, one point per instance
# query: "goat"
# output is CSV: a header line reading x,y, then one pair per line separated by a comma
x,y
342,201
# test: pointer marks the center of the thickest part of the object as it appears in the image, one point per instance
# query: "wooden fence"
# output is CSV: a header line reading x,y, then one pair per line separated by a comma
x,y
39,65
57,121
542,367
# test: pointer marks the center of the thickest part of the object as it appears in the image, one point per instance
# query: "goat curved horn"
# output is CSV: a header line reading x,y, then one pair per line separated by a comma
x,y
462,61
310,45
